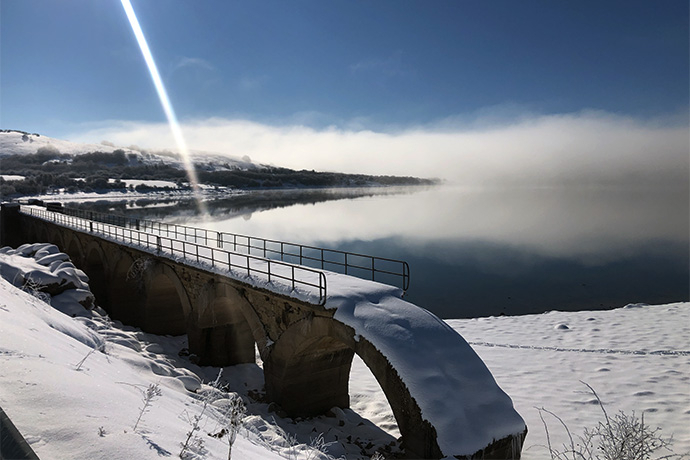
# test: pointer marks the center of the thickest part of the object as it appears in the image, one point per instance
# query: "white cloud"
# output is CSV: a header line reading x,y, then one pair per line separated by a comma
x,y
252,83
193,62
549,149
391,66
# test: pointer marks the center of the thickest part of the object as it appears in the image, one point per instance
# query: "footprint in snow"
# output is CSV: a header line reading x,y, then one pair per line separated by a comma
x,y
644,393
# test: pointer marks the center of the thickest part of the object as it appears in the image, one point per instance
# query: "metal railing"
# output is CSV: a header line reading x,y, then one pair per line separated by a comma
x,y
290,274
350,263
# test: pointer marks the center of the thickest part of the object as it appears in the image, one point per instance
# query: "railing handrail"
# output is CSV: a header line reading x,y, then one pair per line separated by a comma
x,y
221,238
155,244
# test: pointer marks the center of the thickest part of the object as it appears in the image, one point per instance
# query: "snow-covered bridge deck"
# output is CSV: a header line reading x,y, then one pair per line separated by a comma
x,y
282,266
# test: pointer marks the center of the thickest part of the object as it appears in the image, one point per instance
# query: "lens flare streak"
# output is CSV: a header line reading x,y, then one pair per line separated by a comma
x,y
165,103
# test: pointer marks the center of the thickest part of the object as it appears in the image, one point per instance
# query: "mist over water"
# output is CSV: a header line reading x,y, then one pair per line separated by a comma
x,y
490,251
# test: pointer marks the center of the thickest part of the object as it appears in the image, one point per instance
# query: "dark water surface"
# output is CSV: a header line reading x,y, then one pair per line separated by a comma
x,y
480,252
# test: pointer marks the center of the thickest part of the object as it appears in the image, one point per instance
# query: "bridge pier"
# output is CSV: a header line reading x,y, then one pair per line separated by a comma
x,y
307,371
10,231
218,331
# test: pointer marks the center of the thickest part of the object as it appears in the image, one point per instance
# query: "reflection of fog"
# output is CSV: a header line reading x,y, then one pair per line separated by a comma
x,y
592,225
478,252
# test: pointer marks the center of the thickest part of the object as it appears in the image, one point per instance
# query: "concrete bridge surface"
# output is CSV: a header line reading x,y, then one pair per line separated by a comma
x,y
226,303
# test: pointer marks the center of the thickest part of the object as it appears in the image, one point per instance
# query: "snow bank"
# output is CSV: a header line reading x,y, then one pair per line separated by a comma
x,y
453,387
43,270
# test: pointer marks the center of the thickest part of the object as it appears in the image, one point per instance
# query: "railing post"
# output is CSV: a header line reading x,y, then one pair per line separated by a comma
x,y
219,241
322,287
158,244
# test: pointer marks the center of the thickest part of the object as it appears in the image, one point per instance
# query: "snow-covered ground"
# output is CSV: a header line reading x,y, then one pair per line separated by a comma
x,y
147,183
11,177
637,358
206,193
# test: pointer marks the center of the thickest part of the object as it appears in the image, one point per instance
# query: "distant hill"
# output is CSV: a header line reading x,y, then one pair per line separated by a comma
x,y
31,164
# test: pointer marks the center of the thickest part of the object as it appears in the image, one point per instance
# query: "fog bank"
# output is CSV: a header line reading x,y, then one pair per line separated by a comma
x,y
580,148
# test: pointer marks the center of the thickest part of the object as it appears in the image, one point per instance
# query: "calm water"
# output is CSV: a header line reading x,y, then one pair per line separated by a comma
x,y
480,252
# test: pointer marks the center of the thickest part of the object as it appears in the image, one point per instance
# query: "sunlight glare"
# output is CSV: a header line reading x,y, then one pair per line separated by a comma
x,y
165,102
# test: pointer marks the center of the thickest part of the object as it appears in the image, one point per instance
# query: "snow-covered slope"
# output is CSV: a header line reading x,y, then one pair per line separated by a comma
x,y
21,143
72,381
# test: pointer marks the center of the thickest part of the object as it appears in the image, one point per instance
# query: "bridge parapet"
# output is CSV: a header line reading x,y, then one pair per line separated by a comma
x,y
382,269
302,282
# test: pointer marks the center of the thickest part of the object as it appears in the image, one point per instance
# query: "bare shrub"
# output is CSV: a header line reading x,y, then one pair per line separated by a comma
x,y
618,437
147,396
35,288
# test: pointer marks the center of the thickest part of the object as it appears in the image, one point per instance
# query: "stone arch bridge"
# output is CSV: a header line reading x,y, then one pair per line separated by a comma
x,y
306,345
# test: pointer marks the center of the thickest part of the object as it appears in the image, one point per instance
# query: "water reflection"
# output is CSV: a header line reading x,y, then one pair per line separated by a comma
x,y
478,252
590,225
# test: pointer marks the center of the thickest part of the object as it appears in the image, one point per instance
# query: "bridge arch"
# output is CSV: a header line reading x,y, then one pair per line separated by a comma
x,y
73,247
95,266
307,372
166,303
224,327
38,232
123,291
55,236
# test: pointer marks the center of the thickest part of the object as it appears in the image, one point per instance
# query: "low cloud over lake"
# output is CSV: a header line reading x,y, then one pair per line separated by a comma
x,y
588,147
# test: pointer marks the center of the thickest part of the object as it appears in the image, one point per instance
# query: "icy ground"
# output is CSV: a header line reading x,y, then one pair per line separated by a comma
x,y
637,358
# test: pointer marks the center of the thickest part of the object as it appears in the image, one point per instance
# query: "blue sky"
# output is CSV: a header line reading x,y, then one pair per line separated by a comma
x,y
73,67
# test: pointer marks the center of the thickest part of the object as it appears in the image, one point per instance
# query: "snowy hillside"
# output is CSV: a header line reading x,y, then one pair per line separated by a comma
x,y
23,143
72,380
38,165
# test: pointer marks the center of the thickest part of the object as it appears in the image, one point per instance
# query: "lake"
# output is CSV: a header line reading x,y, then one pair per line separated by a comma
x,y
481,251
